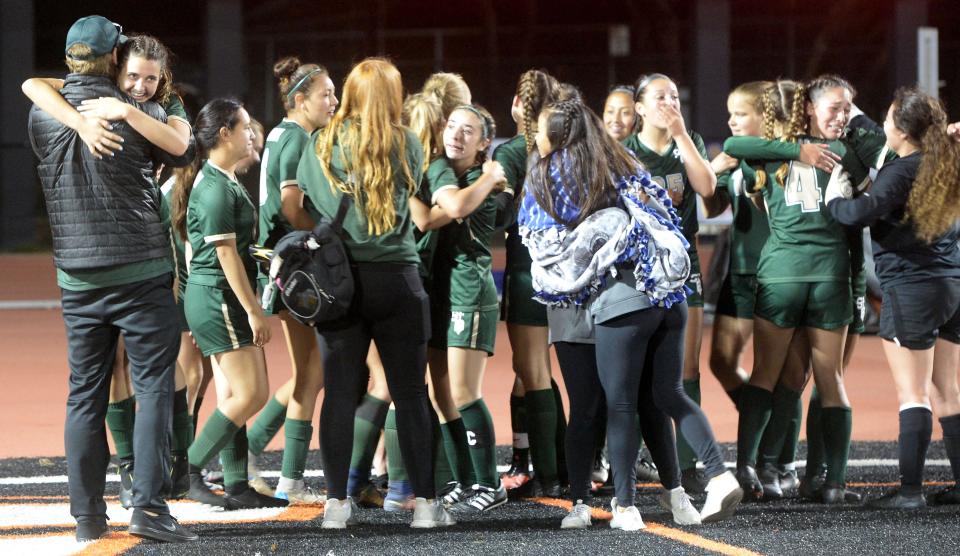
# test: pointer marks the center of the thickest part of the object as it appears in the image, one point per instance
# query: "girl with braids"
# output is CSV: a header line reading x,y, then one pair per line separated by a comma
x,y
677,160
535,407
309,97
804,280
366,162
144,73
915,226
590,217
214,212
757,108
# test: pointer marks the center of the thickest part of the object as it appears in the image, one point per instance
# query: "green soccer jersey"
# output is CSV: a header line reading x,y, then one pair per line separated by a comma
x,y
462,264
438,175
750,229
178,243
174,109
278,169
394,246
219,209
512,155
667,170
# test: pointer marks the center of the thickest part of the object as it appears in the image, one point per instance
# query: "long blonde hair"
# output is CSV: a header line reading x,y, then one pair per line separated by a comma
x,y
373,104
423,114
449,89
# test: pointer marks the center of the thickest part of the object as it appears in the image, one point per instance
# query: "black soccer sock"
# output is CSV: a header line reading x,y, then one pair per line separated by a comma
x,y
916,426
951,441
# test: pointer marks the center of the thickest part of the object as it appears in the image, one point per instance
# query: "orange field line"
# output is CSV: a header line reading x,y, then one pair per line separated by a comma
x,y
660,530
111,545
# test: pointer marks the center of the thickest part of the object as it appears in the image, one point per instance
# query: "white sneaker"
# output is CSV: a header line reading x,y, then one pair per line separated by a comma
x,y
429,514
678,502
578,518
625,518
723,496
296,492
338,514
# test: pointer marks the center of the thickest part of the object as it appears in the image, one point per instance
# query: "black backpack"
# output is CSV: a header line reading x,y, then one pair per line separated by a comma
x,y
311,272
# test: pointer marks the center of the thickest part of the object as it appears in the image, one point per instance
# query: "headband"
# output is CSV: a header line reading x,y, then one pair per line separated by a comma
x,y
483,119
647,79
302,81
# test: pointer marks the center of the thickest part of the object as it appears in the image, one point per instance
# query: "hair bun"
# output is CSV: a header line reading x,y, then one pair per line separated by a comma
x,y
284,68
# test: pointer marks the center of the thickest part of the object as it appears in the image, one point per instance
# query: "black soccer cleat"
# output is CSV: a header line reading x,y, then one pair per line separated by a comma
x,y
750,483
769,477
90,528
159,527
199,492
126,484
251,499
896,499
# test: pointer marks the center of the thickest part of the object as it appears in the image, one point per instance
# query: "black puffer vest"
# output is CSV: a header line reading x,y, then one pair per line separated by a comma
x,y
102,212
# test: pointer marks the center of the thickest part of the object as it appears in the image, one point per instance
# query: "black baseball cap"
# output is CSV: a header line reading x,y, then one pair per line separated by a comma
x,y
98,33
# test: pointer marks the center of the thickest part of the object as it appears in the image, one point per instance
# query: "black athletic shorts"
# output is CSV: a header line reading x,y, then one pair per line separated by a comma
x,y
915,314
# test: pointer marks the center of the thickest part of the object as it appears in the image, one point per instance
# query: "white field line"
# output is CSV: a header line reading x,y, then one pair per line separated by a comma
x,y
49,515
113,478
10,305
52,545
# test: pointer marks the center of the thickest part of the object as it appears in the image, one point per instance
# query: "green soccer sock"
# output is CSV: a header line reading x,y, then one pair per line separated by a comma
x,y
561,438
266,426
182,424
214,435
837,426
234,458
685,454
791,437
541,419
120,419
367,423
297,434
442,472
815,448
391,440
458,451
778,432
482,442
754,415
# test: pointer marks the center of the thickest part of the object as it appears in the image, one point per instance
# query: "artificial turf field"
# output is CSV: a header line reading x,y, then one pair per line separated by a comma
x,y
35,521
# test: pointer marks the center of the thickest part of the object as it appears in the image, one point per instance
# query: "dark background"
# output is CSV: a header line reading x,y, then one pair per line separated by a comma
x,y
229,46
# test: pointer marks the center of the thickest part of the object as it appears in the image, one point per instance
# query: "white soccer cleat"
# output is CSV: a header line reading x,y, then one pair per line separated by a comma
x,y
338,514
428,514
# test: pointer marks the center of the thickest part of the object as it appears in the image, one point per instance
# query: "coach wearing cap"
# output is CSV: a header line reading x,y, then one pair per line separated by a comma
x,y
115,274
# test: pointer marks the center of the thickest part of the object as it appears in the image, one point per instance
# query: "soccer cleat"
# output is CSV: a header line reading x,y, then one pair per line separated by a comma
x,y
770,482
811,486
159,527
949,495
369,497
519,472
91,528
896,499
693,481
723,496
200,493
126,484
483,499
253,476
428,514
399,497
601,468
788,480
678,502
838,494
578,518
456,495
250,499
749,482
646,471
550,490
338,514
625,518
179,478
296,492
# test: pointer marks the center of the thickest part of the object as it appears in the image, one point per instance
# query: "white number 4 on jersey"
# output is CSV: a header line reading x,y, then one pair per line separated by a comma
x,y
801,188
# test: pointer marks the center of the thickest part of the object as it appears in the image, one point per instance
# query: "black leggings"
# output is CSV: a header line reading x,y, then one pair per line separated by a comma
x,y
391,308
578,365
640,355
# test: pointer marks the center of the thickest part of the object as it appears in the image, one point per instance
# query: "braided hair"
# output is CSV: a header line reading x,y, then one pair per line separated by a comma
x,y
535,90
590,163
